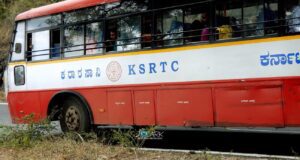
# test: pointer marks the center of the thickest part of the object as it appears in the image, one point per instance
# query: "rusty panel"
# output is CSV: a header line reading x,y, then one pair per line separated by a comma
x,y
120,108
253,106
185,107
144,112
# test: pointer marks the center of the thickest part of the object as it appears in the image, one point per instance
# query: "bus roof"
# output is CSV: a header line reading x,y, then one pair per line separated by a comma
x,y
64,6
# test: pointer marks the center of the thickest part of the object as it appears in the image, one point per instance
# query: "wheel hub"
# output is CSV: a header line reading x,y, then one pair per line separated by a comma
x,y
72,118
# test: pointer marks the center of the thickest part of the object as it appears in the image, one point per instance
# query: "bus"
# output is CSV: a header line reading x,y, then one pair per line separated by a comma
x,y
213,65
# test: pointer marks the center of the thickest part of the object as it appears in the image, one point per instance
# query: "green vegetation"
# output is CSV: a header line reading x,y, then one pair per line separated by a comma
x,y
9,9
34,141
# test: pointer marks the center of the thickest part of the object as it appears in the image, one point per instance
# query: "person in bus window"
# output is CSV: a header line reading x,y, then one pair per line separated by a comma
x,y
111,42
199,29
196,32
205,28
224,30
294,20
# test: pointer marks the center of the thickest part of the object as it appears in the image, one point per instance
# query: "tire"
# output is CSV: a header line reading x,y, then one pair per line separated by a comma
x,y
75,117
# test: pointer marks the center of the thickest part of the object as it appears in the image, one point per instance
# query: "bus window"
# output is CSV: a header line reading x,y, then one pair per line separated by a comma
x,y
111,36
271,16
19,74
43,22
29,47
128,6
196,23
147,31
158,31
40,45
172,26
254,17
129,33
74,41
292,15
92,13
19,43
55,43
228,19
94,38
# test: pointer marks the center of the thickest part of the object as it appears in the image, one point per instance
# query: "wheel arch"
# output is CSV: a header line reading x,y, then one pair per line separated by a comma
x,y
55,104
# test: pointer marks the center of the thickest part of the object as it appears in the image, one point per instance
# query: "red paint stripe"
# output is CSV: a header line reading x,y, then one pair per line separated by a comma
x,y
63,6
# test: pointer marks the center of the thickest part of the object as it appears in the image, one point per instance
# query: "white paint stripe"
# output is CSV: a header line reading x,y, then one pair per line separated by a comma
x,y
223,153
4,103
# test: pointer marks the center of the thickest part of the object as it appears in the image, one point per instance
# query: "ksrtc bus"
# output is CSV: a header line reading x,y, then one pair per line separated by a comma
x,y
173,64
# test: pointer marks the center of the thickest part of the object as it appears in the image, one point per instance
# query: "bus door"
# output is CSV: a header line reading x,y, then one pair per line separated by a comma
x,y
16,70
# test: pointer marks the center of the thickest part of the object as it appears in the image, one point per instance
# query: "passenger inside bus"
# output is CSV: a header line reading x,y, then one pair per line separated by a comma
x,y
29,47
111,42
200,29
146,31
111,36
266,20
224,30
293,16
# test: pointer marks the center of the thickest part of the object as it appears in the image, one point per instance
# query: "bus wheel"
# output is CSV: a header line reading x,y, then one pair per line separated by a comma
x,y
74,116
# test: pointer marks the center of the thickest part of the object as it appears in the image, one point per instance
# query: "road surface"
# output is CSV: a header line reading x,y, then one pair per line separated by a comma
x,y
4,115
5,119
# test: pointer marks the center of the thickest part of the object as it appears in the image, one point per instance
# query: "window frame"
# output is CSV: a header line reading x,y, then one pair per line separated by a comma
x,y
24,75
154,12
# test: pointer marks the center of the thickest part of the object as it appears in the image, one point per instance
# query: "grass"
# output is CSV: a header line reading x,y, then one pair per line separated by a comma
x,y
33,142
88,147
66,149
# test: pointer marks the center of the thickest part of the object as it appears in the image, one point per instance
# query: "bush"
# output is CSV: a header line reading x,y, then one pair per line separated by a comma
x,y
25,135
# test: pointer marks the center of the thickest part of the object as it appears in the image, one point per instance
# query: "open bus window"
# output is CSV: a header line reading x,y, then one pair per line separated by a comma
x,y
19,74
74,41
94,38
254,18
172,26
271,17
147,31
228,19
129,33
292,15
29,47
196,23
111,36
55,43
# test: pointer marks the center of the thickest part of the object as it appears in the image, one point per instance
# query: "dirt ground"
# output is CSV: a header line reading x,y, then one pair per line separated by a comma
x,y
72,150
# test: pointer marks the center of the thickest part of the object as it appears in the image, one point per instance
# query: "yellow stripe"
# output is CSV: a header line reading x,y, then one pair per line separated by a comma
x,y
156,51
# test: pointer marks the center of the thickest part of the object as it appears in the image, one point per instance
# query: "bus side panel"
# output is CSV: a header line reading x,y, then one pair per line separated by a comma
x,y
120,111
12,109
144,108
249,106
46,97
25,103
185,107
97,100
292,102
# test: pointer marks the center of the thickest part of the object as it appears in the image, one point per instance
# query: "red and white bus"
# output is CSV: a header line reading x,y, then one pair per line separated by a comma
x,y
180,64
